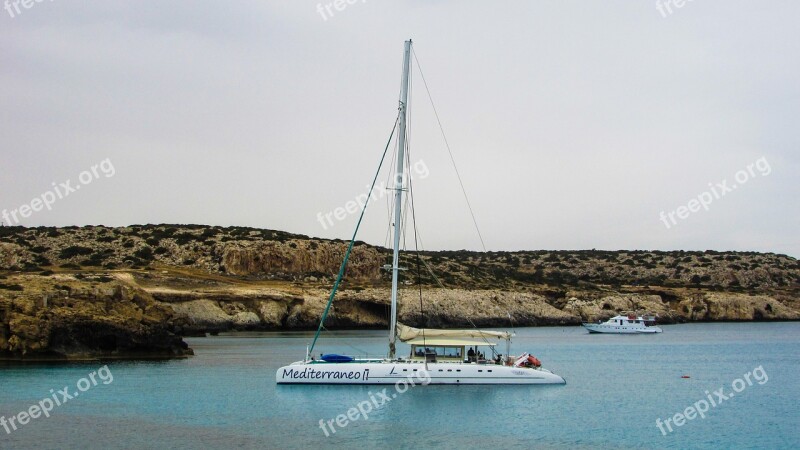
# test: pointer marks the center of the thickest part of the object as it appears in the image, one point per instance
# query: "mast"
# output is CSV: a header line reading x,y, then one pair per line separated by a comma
x,y
398,196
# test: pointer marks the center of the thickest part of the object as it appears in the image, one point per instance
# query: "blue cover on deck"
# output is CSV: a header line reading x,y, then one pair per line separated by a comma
x,y
332,357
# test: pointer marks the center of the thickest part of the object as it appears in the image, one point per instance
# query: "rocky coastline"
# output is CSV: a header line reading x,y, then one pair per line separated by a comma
x,y
80,293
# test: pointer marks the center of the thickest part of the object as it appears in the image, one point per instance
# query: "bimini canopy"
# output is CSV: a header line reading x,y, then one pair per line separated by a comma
x,y
448,342
406,333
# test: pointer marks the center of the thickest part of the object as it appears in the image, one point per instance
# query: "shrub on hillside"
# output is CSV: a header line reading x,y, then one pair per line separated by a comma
x,y
75,250
11,287
144,253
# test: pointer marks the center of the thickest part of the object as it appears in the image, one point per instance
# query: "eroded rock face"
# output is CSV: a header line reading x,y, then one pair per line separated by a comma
x,y
218,309
683,306
273,313
603,307
300,258
735,307
368,308
209,315
459,308
75,320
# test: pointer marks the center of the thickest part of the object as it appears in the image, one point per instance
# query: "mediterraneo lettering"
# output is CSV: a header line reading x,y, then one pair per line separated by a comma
x,y
310,373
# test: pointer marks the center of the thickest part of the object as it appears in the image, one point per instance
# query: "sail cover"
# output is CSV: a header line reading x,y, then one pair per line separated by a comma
x,y
406,333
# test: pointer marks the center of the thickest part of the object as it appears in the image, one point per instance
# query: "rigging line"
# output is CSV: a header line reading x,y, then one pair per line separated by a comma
x,y
416,248
406,178
452,159
389,198
386,187
406,204
401,180
410,198
352,240
407,162
439,284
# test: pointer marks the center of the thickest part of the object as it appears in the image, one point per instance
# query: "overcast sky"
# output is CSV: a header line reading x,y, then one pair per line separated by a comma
x,y
574,124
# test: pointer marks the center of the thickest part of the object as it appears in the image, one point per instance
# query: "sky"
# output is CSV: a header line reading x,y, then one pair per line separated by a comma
x,y
636,125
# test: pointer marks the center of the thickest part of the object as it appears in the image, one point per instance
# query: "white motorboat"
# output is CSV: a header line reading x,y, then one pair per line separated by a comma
x,y
437,356
625,324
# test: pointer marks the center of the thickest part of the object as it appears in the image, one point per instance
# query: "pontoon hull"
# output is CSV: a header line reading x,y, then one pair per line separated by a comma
x,y
396,372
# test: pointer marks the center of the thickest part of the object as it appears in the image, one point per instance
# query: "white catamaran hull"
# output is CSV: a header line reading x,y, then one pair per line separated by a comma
x,y
389,372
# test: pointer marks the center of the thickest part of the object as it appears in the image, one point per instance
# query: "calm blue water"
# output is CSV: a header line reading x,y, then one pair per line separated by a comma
x,y
617,386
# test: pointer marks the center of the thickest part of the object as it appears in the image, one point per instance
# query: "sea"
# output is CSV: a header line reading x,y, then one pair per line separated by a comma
x,y
709,386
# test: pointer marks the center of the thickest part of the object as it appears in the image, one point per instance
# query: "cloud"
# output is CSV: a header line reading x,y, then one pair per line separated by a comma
x,y
573,124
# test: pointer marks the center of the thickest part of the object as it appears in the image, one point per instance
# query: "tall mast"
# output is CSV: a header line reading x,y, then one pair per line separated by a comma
x,y
398,195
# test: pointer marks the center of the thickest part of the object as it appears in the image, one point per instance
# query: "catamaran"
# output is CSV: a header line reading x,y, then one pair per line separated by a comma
x,y
444,356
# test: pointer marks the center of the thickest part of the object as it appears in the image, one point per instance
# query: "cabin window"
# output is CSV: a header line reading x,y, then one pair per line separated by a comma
x,y
442,352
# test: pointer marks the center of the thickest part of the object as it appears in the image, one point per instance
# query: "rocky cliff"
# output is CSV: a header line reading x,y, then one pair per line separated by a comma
x,y
84,317
100,291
